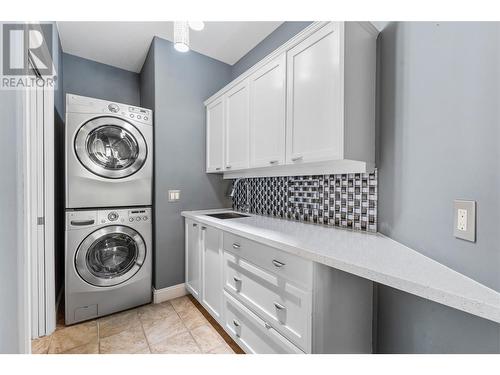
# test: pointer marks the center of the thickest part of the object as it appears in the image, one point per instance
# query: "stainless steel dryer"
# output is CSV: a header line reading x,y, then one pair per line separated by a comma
x,y
109,152
108,261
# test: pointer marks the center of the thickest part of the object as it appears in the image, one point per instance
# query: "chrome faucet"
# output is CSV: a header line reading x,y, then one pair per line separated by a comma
x,y
235,185
246,206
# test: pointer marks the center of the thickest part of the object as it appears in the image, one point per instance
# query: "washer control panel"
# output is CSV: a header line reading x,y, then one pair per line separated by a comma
x,y
139,215
80,219
127,216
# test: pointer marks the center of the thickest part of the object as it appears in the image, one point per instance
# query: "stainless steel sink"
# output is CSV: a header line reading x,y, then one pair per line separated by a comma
x,y
227,215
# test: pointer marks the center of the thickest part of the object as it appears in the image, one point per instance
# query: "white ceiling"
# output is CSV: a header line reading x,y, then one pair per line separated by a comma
x,y
125,44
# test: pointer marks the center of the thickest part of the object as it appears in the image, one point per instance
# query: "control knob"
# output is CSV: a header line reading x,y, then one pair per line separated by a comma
x,y
113,108
113,216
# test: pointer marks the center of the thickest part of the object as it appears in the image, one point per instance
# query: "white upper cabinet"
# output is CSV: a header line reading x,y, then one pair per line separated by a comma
x,y
267,114
307,108
215,136
237,127
314,98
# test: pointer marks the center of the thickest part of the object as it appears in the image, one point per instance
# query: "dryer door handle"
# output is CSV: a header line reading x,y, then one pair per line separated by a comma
x,y
81,223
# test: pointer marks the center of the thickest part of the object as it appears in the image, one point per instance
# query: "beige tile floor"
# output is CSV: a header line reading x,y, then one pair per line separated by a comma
x,y
180,326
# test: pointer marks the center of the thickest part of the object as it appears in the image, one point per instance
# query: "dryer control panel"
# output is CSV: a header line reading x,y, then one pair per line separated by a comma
x,y
82,104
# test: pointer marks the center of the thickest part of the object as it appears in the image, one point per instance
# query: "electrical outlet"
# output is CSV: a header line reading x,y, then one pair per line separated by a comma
x,y
465,220
174,195
462,219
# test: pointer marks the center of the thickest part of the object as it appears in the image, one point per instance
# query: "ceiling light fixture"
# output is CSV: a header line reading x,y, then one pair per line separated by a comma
x,y
181,36
196,25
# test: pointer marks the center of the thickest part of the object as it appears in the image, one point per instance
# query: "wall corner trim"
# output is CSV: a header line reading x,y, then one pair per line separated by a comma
x,y
171,292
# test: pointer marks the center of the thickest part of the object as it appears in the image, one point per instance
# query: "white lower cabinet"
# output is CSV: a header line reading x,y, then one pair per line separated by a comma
x,y
193,258
271,301
211,269
283,305
252,333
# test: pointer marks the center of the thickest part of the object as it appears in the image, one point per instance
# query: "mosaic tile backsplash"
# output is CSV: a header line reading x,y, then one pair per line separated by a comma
x,y
345,201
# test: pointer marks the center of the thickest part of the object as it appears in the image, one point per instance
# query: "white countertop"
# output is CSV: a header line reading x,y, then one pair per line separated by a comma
x,y
369,255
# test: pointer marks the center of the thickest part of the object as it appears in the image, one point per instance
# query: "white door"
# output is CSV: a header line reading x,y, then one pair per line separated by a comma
x,y
215,136
212,270
40,181
193,258
314,98
237,123
267,114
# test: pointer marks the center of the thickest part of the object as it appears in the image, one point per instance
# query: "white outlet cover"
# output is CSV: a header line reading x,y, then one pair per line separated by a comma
x,y
464,220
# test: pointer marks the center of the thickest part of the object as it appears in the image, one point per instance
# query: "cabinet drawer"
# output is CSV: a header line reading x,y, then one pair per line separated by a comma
x,y
286,307
289,266
252,333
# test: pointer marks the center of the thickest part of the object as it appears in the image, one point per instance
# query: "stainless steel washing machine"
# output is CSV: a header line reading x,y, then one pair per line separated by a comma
x,y
108,261
109,152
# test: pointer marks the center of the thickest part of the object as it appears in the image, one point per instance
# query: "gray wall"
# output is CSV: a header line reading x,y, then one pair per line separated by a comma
x,y
11,185
438,135
9,226
182,82
96,80
279,36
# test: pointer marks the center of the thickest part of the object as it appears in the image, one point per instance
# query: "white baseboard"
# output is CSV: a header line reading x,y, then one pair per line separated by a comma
x,y
171,292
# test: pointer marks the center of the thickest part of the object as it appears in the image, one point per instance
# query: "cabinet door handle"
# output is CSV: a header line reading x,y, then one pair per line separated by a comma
x,y
279,306
236,279
267,325
203,228
236,245
195,225
277,263
217,169
228,167
274,162
297,158
236,323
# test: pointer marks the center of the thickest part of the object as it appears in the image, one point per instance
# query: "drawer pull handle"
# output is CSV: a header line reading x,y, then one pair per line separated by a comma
x,y
274,162
236,323
217,169
228,167
236,279
267,325
297,158
279,306
277,263
203,228
195,225
236,245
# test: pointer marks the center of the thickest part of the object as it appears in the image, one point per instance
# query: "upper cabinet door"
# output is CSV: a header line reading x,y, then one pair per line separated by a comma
x,y
314,98
267,114
215,136
237,127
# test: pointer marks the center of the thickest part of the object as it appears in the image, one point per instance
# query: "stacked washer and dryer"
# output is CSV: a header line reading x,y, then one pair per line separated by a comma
x,y
108,234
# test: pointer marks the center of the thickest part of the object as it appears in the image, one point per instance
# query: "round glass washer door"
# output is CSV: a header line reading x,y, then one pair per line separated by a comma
x,y
110,256
110,147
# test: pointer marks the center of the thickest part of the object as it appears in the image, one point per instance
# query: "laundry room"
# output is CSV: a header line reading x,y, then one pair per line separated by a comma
x,y
313,185
94,93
